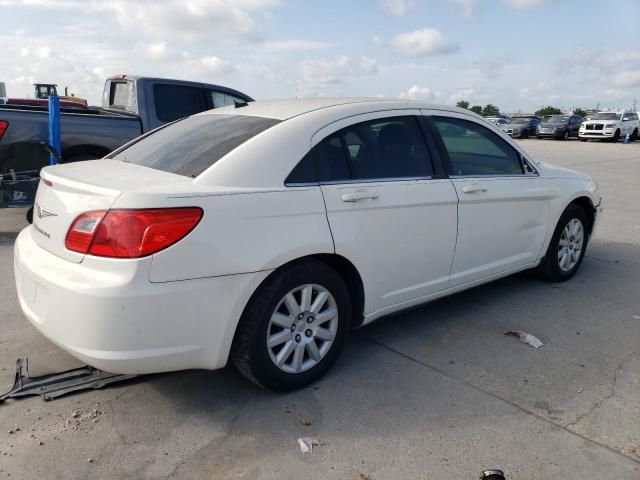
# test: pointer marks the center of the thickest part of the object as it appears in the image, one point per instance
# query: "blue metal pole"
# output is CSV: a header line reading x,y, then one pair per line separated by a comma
x,y
54,127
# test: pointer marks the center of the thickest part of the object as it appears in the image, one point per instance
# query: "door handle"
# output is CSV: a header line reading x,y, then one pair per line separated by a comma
x,y
359,195
474,188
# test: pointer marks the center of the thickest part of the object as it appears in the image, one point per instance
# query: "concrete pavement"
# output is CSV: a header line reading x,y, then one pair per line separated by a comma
x,y
437,392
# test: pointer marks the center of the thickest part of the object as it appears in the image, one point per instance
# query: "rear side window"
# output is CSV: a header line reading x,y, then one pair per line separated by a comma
x,y
121,95
177,101
476,150
220,99
389,148
192,145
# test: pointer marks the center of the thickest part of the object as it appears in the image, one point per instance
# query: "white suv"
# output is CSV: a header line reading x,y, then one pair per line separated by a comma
x,y
610,126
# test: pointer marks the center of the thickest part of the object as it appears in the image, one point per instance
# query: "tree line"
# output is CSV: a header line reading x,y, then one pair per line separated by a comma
x,y
490,110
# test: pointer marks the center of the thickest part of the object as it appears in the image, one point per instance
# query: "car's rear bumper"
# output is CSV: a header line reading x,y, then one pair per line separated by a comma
x,y
108,314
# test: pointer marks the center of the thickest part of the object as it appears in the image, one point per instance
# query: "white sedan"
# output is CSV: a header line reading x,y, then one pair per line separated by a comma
x,y
265,232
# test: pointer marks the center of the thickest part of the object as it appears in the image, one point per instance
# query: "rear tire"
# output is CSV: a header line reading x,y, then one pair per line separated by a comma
x,y
563,258
286,357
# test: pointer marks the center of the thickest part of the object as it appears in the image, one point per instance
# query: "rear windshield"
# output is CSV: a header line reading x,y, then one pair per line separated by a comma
x,y
190,146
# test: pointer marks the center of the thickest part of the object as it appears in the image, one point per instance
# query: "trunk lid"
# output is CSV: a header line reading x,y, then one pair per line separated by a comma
x,y
66,191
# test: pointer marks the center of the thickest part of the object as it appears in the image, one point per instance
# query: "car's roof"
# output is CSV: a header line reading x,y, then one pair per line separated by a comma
x,y
286,109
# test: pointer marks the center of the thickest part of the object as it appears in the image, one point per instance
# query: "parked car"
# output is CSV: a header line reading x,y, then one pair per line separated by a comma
x,y
498,120
559,126
610,126
264,233
130,106
521,127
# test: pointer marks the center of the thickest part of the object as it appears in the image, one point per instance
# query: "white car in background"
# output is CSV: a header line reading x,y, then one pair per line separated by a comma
x,y
264,233
610,126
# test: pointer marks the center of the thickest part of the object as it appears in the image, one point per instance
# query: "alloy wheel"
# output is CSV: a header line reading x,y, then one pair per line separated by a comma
x,y
570,245
302,328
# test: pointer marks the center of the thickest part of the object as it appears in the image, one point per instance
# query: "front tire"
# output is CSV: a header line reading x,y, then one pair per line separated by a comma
x,y
616,137
634,136
568,245
294,327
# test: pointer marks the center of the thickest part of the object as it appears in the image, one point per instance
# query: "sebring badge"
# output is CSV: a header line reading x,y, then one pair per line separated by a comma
x,y
42,213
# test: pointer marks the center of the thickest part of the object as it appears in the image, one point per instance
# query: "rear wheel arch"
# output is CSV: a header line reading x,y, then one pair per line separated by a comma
x,y
342,266
84,152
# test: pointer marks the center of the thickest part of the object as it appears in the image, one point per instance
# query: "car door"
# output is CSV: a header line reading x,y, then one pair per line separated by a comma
x,y
389,213
503,208
579,121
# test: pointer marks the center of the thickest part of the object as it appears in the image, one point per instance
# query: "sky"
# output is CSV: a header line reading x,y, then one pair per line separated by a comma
x,y
516,54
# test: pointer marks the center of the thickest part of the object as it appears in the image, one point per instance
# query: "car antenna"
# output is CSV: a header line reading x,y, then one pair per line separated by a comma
x,y
240,103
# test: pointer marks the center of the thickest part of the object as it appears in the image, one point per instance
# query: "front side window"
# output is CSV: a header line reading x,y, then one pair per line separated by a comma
x,y
177,101
476,150
192,145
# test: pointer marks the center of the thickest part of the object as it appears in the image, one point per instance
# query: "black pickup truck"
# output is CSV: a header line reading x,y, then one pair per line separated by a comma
x,y
130,107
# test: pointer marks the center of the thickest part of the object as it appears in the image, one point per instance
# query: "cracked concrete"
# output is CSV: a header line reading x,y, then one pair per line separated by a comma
x,y
437,392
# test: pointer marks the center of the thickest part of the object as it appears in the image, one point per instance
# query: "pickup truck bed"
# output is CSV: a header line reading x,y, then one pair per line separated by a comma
x,y
91,133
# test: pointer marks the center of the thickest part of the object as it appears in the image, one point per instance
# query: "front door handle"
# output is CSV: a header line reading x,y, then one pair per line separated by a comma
x,y
474,188
359,195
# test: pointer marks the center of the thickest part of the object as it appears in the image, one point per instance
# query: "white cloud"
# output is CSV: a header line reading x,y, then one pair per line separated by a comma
x,y
229,19
416,92
426,41
377,40
216,65
522,4
397,8
462,94
295,45
467,6
317,75
627,79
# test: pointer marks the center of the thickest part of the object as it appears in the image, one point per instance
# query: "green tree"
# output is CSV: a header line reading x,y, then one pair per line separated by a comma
x,y
580,112
548,110
490,111
476,109
463,104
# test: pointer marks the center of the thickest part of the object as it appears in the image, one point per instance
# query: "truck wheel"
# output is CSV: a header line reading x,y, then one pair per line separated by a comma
x,y
294,327
567,247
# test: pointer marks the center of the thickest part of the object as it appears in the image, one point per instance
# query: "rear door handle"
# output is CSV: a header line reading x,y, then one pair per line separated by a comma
x,y
358,195
474,188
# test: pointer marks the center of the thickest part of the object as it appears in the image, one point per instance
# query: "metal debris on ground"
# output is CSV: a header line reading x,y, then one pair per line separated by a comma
x,y
307,444
526,338
55,385
492,475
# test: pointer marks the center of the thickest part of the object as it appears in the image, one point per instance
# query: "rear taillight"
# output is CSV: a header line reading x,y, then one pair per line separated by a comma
x,y
130,233
3,127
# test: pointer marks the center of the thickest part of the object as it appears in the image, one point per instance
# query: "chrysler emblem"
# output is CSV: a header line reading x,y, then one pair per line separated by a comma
x,y
42,213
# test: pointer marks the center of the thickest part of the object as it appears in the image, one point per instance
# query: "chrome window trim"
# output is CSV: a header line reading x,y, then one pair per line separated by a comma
x,y
506,175
353,181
